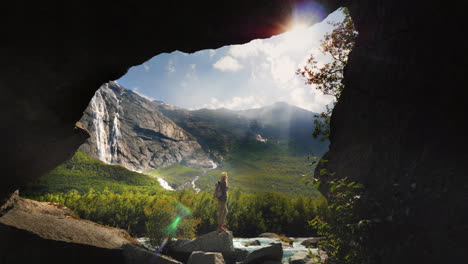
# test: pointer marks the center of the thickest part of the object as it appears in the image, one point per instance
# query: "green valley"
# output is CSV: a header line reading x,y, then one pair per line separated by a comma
x,y
253,167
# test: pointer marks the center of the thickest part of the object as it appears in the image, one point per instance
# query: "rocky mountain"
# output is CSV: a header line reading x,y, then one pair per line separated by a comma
x,y
143,134
127,129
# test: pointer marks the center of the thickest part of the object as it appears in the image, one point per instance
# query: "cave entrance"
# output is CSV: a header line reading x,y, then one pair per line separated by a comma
x,y
187,114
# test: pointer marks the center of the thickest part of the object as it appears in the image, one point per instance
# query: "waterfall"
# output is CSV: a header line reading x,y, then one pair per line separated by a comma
x,y
100,116
106,133
115,129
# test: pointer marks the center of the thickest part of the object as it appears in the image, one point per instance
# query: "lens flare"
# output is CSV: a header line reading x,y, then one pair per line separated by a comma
x,y
305,15
171,229
184,209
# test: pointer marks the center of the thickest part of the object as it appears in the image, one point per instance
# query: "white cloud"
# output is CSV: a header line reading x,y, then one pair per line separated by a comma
x,y
236,103
212,53
170,67
191,73
252,48
283,69
227,63
146,67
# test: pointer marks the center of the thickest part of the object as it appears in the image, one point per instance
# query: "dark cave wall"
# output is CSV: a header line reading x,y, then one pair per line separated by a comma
x,y
399,129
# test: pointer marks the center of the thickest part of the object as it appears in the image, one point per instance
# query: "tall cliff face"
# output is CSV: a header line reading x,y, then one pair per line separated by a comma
x,y
127,129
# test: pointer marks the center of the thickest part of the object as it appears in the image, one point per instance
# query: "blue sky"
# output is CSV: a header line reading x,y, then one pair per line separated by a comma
x,y
251,75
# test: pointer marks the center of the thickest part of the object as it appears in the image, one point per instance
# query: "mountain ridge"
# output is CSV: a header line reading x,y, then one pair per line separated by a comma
x,y
150,135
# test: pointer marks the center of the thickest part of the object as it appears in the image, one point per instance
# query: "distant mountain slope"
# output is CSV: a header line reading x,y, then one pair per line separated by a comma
x,y
282,121
219,130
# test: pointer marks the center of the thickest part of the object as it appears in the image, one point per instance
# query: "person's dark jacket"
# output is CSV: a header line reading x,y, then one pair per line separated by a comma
x,y
224,189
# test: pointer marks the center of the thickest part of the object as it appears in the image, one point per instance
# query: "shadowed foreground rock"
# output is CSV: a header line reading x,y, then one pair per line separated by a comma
x,y
301,258
198,257
216,241
273,254
40,232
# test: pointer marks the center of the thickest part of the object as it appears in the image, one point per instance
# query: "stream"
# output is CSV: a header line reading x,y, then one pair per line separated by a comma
x,y
288,251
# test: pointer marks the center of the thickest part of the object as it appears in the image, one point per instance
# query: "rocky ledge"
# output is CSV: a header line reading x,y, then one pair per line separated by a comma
x,y
41,232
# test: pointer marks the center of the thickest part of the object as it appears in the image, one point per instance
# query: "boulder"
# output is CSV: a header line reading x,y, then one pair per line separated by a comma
x,y
212,242
270,235
274,253
215,241
135,255
238,255
199,257
311,242
252,243
301,257
41,232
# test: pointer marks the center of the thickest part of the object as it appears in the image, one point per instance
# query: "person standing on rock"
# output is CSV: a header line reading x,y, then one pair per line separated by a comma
x,y
221,194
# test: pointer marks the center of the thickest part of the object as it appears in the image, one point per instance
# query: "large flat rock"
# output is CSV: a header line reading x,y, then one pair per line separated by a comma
x,y
41,232
212,242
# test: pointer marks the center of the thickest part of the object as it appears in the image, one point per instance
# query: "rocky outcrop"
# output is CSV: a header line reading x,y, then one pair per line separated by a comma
x,y
43,232
199,257
221,242
273,253
252,243
127,129
212,242
10,203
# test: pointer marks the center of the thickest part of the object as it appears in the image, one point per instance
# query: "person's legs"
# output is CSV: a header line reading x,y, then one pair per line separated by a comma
x,y
222,214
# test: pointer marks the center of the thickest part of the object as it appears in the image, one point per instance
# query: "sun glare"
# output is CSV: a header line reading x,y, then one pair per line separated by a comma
x,y
297,26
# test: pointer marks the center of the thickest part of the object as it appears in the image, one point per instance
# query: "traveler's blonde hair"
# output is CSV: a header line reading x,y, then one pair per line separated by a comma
x,y
224,175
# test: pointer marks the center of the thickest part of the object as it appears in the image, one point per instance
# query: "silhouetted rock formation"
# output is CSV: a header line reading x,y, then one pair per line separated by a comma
x,y
273,253
39,232
199,257
215,241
